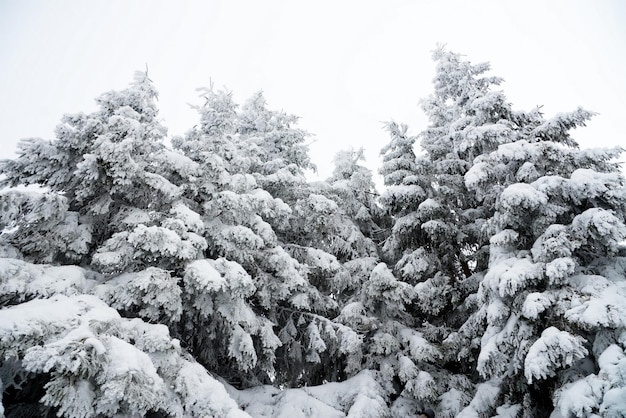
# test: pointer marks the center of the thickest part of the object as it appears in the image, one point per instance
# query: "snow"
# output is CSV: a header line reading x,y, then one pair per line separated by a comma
x,y
241,348
205,276
74,336
614,403
26,280
219,287
510,275
527,173
354,315
490,356
153,292
237,238
108,259
477,174
414,264
242,183
321,204
284,176
322,260
428,206
498,131
124,360
601,225
558,270
419,348
204,396
31,317
406,369
137,216
579,398
155,239
554,349
508,411
611,359
400,193
349,341
586,183
522,196
357,397
192,220
555,241
535,304
263,230
269,402
178,162
161,184
78,400
504,237
436,228
605,304
451,403
497,311
484,399
519,150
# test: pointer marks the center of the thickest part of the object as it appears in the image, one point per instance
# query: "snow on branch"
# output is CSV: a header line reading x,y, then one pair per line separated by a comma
x,y
555,349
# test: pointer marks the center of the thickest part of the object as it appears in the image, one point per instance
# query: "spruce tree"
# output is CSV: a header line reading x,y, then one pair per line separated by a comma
x,y
501,223
556,233
487,280
254,200
437,243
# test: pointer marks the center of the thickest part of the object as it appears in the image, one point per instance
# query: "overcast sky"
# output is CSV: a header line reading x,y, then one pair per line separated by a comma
x,y
344,67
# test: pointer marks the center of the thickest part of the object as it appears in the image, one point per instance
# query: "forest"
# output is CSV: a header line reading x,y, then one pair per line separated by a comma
x,y
203,275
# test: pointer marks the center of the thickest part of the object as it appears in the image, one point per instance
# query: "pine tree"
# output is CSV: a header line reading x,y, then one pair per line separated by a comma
x,y
557,228
467,118
77,357
334,233
487,280
500,224
353,185
106,171
109,202
520,202
437,243
109,205
251,159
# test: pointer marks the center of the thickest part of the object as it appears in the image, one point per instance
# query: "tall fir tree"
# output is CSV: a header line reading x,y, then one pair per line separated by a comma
x,y
111,204
556,233
437,243
488,279
254,200
493,191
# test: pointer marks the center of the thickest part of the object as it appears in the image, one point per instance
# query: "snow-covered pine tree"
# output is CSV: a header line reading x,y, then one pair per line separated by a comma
x,y
526,330
314,348
537,220
437,243
282,151
547,322
354,186
334,233
251,159
404,193
108,174
67,353
108,203
438,220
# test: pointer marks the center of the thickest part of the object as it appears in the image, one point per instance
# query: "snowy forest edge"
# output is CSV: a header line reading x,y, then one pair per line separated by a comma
x,y
210,278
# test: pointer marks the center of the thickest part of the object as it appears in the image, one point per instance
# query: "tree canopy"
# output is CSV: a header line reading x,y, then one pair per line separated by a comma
x,y
204,275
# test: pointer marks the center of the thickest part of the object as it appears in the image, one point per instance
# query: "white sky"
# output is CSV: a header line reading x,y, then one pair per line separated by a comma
x,y
342,66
